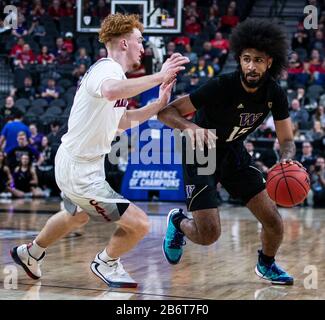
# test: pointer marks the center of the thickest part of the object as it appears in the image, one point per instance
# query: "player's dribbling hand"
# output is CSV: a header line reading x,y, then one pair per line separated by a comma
x,y
200,136
172,66
289,161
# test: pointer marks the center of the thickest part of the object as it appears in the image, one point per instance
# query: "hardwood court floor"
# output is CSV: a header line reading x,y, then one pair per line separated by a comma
x,y
224,270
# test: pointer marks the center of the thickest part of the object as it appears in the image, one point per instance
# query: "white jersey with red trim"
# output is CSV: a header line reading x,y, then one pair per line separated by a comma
x,y
94,120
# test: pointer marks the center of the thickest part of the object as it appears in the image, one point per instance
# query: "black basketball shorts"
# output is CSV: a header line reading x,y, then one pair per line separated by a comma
x,y
234,170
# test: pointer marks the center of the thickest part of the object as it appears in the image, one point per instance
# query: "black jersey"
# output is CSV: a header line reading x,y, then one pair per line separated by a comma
x,y
224,105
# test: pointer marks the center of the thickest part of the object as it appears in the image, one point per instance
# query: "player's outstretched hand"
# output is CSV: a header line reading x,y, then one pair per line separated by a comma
x,y
172,66
165,92
200,136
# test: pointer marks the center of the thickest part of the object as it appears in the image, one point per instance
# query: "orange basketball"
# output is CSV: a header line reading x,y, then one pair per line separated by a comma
x,y
287,184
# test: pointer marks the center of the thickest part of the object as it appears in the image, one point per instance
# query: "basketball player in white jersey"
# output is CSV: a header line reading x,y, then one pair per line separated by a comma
x,y
98,112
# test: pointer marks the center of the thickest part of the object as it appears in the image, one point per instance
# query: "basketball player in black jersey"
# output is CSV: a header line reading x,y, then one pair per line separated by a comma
x,y
234,105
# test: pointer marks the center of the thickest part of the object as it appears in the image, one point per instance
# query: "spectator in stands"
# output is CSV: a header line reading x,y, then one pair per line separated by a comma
x,y
38,9
229,21
283,81
101,10
45,57
250,148
54,137
209,53
192,27
318,182
25,57
25,179
301,96
306,158
319,115
51,91
194,83
212,21
68,10
319,42
300,40
5,175
63,57
102,53
55,11
35,138
299,115
315,61
192,10
318,77
27,91
59,45
316,133
83,58
170,49
203,69
37,30
191,54
45,167
269,157
182,41
23,147
68,42
222,45
21,30
8,111
297,134
17,48
78,73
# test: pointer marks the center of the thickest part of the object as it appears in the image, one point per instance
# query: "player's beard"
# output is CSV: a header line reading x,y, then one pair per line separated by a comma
x,y
256,83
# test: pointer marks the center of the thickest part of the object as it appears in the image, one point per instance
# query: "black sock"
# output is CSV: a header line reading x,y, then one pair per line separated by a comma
x,y
267,260
177,219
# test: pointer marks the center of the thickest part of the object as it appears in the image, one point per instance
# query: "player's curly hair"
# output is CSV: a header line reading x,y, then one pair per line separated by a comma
x,y
265,36
115,25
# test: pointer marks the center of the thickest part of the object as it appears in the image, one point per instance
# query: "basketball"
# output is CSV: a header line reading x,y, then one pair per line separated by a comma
x,y
287,184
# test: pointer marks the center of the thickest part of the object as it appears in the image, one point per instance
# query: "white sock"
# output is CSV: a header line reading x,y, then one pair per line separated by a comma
x,y
105,257
35,250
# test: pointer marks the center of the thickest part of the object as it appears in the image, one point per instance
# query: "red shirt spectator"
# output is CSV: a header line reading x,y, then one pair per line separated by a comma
x,y
45,57
229,20
55,10
68,42
192,27
219,43
69,10
17,48
182,40
26,56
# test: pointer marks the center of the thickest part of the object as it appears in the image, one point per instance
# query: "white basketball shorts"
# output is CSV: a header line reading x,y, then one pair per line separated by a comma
x,y
84,187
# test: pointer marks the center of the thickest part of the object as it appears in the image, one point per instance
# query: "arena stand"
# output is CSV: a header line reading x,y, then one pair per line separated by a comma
x,y
44,59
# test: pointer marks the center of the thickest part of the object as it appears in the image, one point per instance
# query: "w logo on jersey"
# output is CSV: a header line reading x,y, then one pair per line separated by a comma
x,y
189,190
248,119
121,103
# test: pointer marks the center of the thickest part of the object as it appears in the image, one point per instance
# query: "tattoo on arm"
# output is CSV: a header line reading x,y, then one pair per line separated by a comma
x,y
288,149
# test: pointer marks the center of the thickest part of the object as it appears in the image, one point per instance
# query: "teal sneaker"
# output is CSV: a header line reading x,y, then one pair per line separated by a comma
x,y
273,273
174,239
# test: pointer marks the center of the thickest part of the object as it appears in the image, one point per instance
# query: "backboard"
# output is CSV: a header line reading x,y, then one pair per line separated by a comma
x,y
159,17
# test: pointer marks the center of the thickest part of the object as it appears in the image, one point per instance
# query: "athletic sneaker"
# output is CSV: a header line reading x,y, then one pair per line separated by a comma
x,y
174,239
31,265
272,273
112,273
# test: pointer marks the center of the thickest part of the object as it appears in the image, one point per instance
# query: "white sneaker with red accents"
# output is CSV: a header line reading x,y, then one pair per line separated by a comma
x,y
31,265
